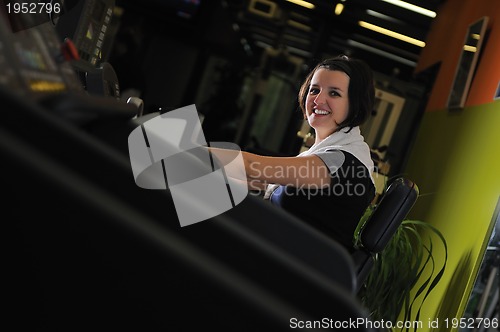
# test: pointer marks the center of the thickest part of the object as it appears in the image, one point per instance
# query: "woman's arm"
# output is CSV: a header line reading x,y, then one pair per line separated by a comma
x,y
308,171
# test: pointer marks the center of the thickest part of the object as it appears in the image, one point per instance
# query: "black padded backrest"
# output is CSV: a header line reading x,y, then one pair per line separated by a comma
x,y
390,212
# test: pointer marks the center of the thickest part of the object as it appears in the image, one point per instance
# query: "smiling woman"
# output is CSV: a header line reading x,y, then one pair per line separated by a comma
x,y
331,184
323,99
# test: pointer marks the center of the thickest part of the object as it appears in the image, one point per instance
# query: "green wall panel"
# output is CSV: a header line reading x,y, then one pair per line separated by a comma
x,y
455,161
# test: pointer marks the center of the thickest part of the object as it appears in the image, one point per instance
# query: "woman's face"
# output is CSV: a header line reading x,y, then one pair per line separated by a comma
x,y
327,102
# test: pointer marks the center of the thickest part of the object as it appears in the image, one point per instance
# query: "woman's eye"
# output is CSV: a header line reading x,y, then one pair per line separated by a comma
x,y
313,91
334,93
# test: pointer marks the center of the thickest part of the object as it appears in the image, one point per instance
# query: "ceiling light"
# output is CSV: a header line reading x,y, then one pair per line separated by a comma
x,y
392,34
339,8
382,16
381,45
298,40
299,25
469,48
300,17
475,36
262,44
262,38
380,52
413,8
302,3
298,51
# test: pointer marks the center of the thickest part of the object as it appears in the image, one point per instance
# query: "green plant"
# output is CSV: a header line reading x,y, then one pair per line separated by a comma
x,y
404,273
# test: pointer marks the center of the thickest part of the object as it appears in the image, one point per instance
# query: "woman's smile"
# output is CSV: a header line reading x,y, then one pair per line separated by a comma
x,y
321,112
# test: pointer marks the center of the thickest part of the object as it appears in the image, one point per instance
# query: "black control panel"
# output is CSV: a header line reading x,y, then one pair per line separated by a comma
x,y
86,23
40,61
31,57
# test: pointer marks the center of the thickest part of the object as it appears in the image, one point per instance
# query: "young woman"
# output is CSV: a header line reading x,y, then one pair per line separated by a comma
x,y
330,185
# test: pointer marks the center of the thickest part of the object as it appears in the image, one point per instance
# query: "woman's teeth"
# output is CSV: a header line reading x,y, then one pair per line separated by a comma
x,y
321,112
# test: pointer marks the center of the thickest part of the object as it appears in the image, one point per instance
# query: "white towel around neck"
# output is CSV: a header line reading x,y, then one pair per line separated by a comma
x,y
352,142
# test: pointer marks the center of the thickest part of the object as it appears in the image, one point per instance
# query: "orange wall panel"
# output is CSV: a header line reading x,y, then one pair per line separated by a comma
x,y
444,44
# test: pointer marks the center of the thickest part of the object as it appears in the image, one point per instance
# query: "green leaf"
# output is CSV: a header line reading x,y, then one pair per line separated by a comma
x,y
405,272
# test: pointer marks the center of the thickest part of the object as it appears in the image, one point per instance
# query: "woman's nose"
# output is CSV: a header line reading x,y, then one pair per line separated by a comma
x,y
319,99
